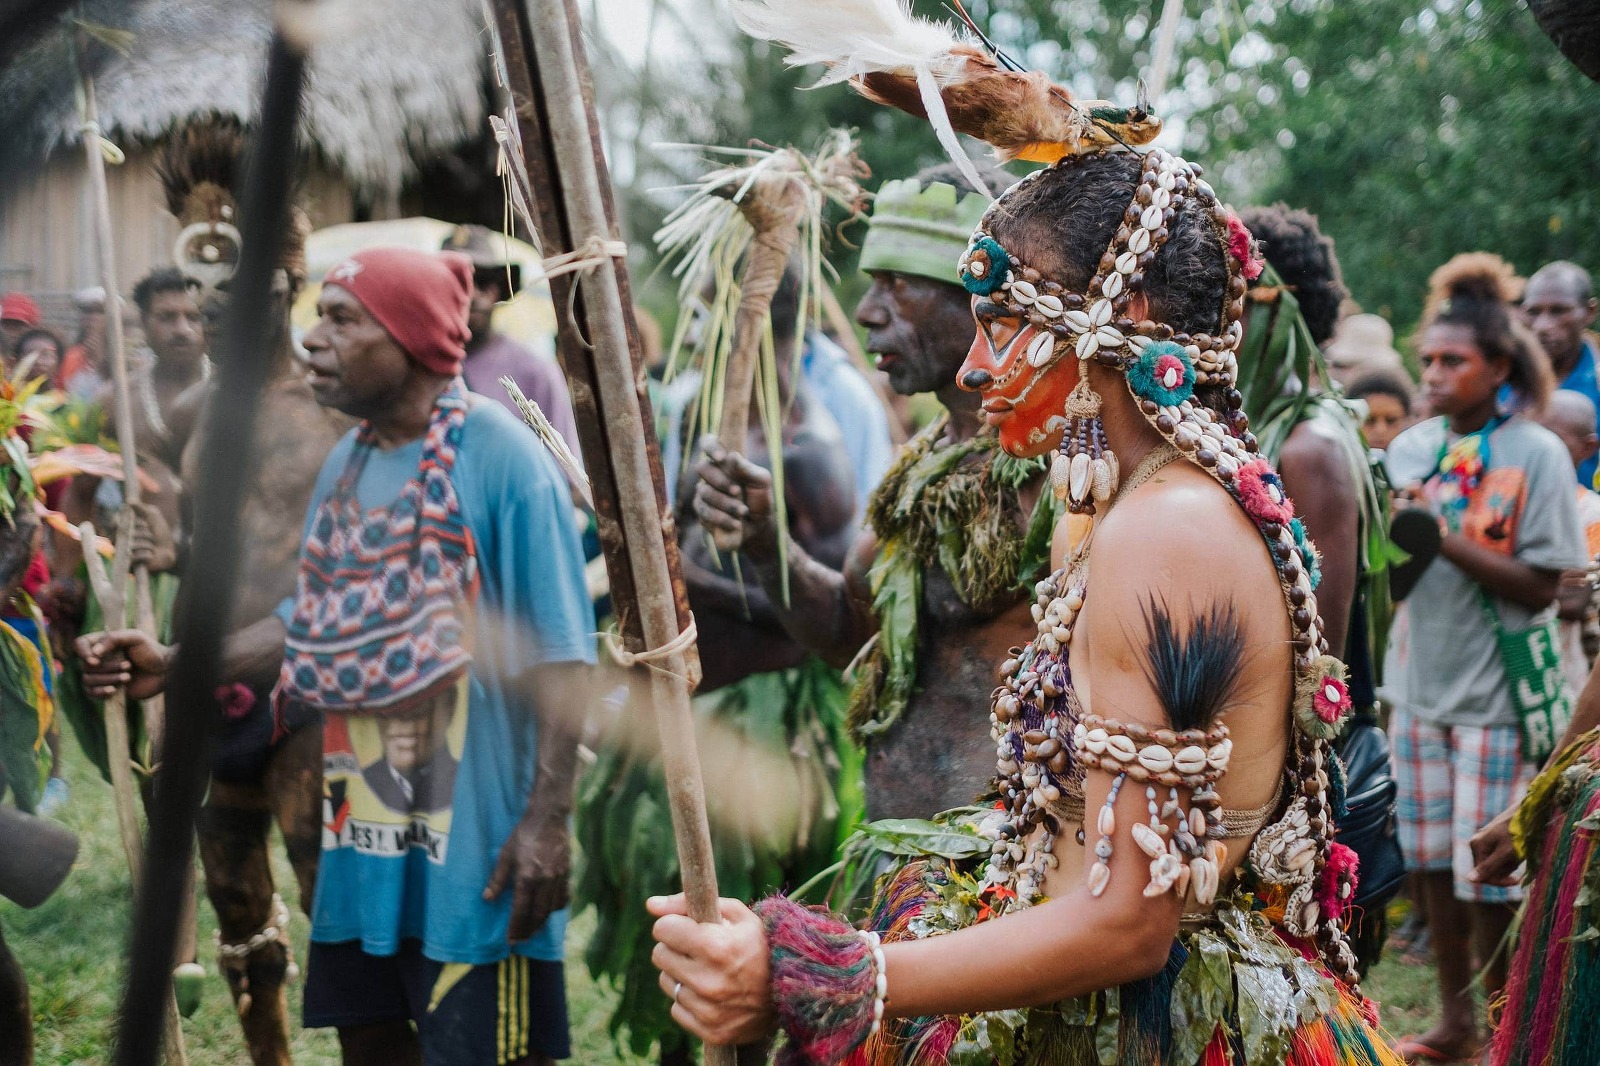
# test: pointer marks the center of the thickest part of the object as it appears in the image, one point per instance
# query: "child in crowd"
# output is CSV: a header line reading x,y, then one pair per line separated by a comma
x,y
1388,396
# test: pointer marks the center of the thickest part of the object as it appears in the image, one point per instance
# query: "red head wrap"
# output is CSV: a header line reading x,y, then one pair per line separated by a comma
x,y
19,307
421,298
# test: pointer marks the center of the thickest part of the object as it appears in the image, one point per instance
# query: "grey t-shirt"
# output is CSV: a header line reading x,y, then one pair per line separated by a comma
x,y
1525,507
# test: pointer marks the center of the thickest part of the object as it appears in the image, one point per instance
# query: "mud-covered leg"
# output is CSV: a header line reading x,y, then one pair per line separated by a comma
x,y
294,783
16,1018
233,830
380,1044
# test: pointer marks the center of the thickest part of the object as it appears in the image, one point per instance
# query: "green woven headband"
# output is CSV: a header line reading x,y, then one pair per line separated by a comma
x,y
922,231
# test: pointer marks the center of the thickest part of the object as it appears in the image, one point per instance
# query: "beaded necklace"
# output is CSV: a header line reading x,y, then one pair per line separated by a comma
x,y
1034,721
1294,859
147,393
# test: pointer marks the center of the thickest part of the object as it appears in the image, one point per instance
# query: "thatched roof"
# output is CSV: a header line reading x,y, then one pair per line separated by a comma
x,y
405,85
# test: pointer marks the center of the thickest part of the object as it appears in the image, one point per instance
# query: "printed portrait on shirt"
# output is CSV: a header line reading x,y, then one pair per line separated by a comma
x,y
388,782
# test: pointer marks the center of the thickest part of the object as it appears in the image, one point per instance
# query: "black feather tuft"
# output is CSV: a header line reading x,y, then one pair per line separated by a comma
x,y
208,150
1194,673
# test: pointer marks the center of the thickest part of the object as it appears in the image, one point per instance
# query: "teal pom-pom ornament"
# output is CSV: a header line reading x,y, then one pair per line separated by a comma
x,y
985,266
1163,374
1308,552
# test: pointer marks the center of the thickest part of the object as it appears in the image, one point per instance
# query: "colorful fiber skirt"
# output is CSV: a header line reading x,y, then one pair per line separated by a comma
x,y
1236,991
1552,1001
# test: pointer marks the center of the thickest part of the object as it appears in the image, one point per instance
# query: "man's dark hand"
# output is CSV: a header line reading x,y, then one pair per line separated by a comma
x,y
1494,858
152,544
537,864
123,659
734,495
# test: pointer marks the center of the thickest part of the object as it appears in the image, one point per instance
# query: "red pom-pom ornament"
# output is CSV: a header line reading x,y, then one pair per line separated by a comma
x,y
1338,885
1243,248
1261,491
1332,700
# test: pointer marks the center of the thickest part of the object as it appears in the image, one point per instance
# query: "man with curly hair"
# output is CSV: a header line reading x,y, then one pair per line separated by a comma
x,y
1314,437
1308,440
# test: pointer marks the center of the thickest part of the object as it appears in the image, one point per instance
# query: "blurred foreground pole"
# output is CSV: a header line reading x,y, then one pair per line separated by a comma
x,y
598,342
205,601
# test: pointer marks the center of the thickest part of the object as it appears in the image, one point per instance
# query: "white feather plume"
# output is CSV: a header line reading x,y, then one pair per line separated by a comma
x,y
857,37
853,37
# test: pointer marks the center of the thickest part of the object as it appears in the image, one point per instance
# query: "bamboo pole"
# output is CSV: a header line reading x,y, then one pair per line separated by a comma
x,y
116,714
554,107
111,595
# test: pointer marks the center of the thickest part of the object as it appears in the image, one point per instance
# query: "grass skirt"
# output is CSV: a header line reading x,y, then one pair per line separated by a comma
x,y
1552,1004
1236,991
624,827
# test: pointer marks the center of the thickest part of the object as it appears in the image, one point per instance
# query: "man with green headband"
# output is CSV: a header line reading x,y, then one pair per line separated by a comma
x,y
932,591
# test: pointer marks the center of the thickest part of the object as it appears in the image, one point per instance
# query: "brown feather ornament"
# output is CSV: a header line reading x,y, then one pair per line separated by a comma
x,y
1021,114
924,68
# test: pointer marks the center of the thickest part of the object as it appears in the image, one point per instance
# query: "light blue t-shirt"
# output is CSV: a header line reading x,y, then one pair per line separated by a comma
x,y
845,393
415,814
842,394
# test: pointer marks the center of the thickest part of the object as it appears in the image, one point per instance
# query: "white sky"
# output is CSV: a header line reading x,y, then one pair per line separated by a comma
x,y
624,24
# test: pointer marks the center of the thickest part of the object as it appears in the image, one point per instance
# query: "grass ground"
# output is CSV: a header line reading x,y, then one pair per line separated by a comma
x,y
71,948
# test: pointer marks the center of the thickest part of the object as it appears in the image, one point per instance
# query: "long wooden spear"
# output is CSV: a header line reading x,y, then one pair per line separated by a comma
x,y
95,147
110,589
553,103
206,597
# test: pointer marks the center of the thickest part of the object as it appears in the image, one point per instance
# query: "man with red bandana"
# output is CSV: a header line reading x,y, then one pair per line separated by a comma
x,y
440,582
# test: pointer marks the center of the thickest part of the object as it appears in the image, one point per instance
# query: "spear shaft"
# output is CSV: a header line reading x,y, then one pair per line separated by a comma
x,y
601,353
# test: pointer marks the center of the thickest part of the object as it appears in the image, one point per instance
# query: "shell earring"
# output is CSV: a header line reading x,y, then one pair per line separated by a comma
x,y
1084,472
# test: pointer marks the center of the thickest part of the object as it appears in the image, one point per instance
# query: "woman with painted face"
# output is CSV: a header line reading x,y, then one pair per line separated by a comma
x,y
1151,873
1466,746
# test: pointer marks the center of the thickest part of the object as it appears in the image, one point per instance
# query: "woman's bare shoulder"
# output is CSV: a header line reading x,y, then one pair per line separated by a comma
x,y
1182,540
1181,513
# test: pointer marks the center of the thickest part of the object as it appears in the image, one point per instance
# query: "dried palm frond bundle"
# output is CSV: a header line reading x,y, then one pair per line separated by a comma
x,y
734,236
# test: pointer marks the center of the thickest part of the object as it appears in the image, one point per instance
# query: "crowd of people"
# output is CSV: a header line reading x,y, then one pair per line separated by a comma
x,y
1208,768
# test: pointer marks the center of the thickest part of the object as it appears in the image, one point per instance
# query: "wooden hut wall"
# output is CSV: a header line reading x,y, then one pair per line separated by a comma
x,y
47,226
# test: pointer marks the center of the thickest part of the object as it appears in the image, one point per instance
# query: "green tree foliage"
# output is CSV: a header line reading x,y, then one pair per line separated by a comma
x,y
1414,131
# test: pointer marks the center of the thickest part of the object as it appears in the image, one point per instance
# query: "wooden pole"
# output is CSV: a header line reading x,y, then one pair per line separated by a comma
x,y
601,353
109,589
116,713
772,206
105,248
124,795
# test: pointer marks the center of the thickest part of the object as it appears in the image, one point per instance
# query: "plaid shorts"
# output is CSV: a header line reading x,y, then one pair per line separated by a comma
x,y
1453,781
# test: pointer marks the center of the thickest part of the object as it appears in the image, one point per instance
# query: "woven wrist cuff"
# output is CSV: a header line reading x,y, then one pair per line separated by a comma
x,y
825,982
